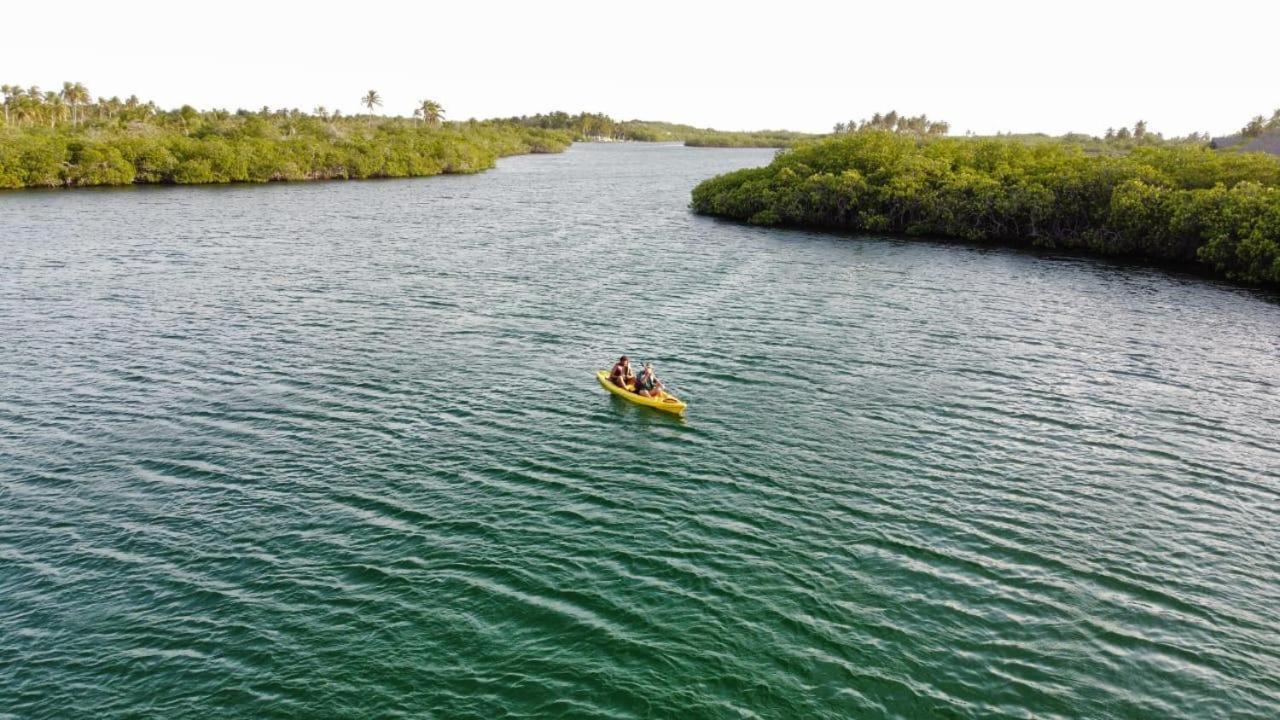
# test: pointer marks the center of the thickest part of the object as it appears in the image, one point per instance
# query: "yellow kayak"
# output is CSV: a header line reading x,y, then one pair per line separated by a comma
x,y
665,402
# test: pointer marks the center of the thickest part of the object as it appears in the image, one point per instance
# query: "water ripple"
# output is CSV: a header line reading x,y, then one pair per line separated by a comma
x,y
337,450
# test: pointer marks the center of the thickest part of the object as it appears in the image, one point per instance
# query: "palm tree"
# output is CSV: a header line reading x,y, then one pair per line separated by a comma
x,y
33,110
69,96
56,107
107,108
371,99
82,94
74,94
14,98
9,93
430,111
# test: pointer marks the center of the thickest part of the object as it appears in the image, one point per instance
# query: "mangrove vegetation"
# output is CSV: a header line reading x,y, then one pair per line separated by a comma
x,y
598,126
66,139
1169,202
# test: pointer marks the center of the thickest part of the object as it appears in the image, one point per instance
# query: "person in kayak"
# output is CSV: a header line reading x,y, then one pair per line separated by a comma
x,y
647,383
621,374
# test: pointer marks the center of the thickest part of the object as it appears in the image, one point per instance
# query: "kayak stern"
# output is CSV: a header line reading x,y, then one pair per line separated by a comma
x,y
666,402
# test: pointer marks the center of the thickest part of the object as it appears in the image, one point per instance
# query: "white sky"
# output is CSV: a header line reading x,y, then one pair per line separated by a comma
x,y
795,64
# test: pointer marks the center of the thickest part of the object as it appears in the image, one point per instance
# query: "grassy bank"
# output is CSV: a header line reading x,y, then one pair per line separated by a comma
x,y
1183,204
46,143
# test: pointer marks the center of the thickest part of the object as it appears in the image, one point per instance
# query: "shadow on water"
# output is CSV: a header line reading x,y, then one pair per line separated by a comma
x,y
646,415
1122,267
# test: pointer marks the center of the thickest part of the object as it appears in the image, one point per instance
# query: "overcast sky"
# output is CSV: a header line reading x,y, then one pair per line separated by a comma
x,y
799,65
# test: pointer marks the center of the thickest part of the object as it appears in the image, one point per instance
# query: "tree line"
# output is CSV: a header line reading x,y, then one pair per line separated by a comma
x,y
583,125
1175,203
587,126
1121,137
26,106
893,122
67,138
1259,125
1139,133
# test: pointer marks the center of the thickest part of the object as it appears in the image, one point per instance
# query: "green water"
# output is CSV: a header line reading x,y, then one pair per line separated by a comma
x,y
337,450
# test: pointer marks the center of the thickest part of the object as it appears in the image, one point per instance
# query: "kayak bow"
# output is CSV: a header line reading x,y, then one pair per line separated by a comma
x,y
666,402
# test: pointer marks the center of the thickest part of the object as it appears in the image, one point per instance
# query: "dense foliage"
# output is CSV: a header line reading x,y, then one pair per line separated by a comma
x,y
1169,203
756,139
61,139
583,126
597,126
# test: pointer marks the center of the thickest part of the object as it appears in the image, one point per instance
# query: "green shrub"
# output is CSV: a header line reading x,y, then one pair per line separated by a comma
x,y
94,163
1173,203
189,147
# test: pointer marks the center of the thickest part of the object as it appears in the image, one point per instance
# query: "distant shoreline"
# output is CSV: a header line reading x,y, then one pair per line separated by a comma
x,y
137,146
273,180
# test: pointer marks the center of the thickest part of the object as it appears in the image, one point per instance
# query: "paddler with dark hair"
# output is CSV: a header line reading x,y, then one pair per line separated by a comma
x,y
621,374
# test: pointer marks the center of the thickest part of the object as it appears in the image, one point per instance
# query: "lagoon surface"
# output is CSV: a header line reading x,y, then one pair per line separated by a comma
x,y
337,450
